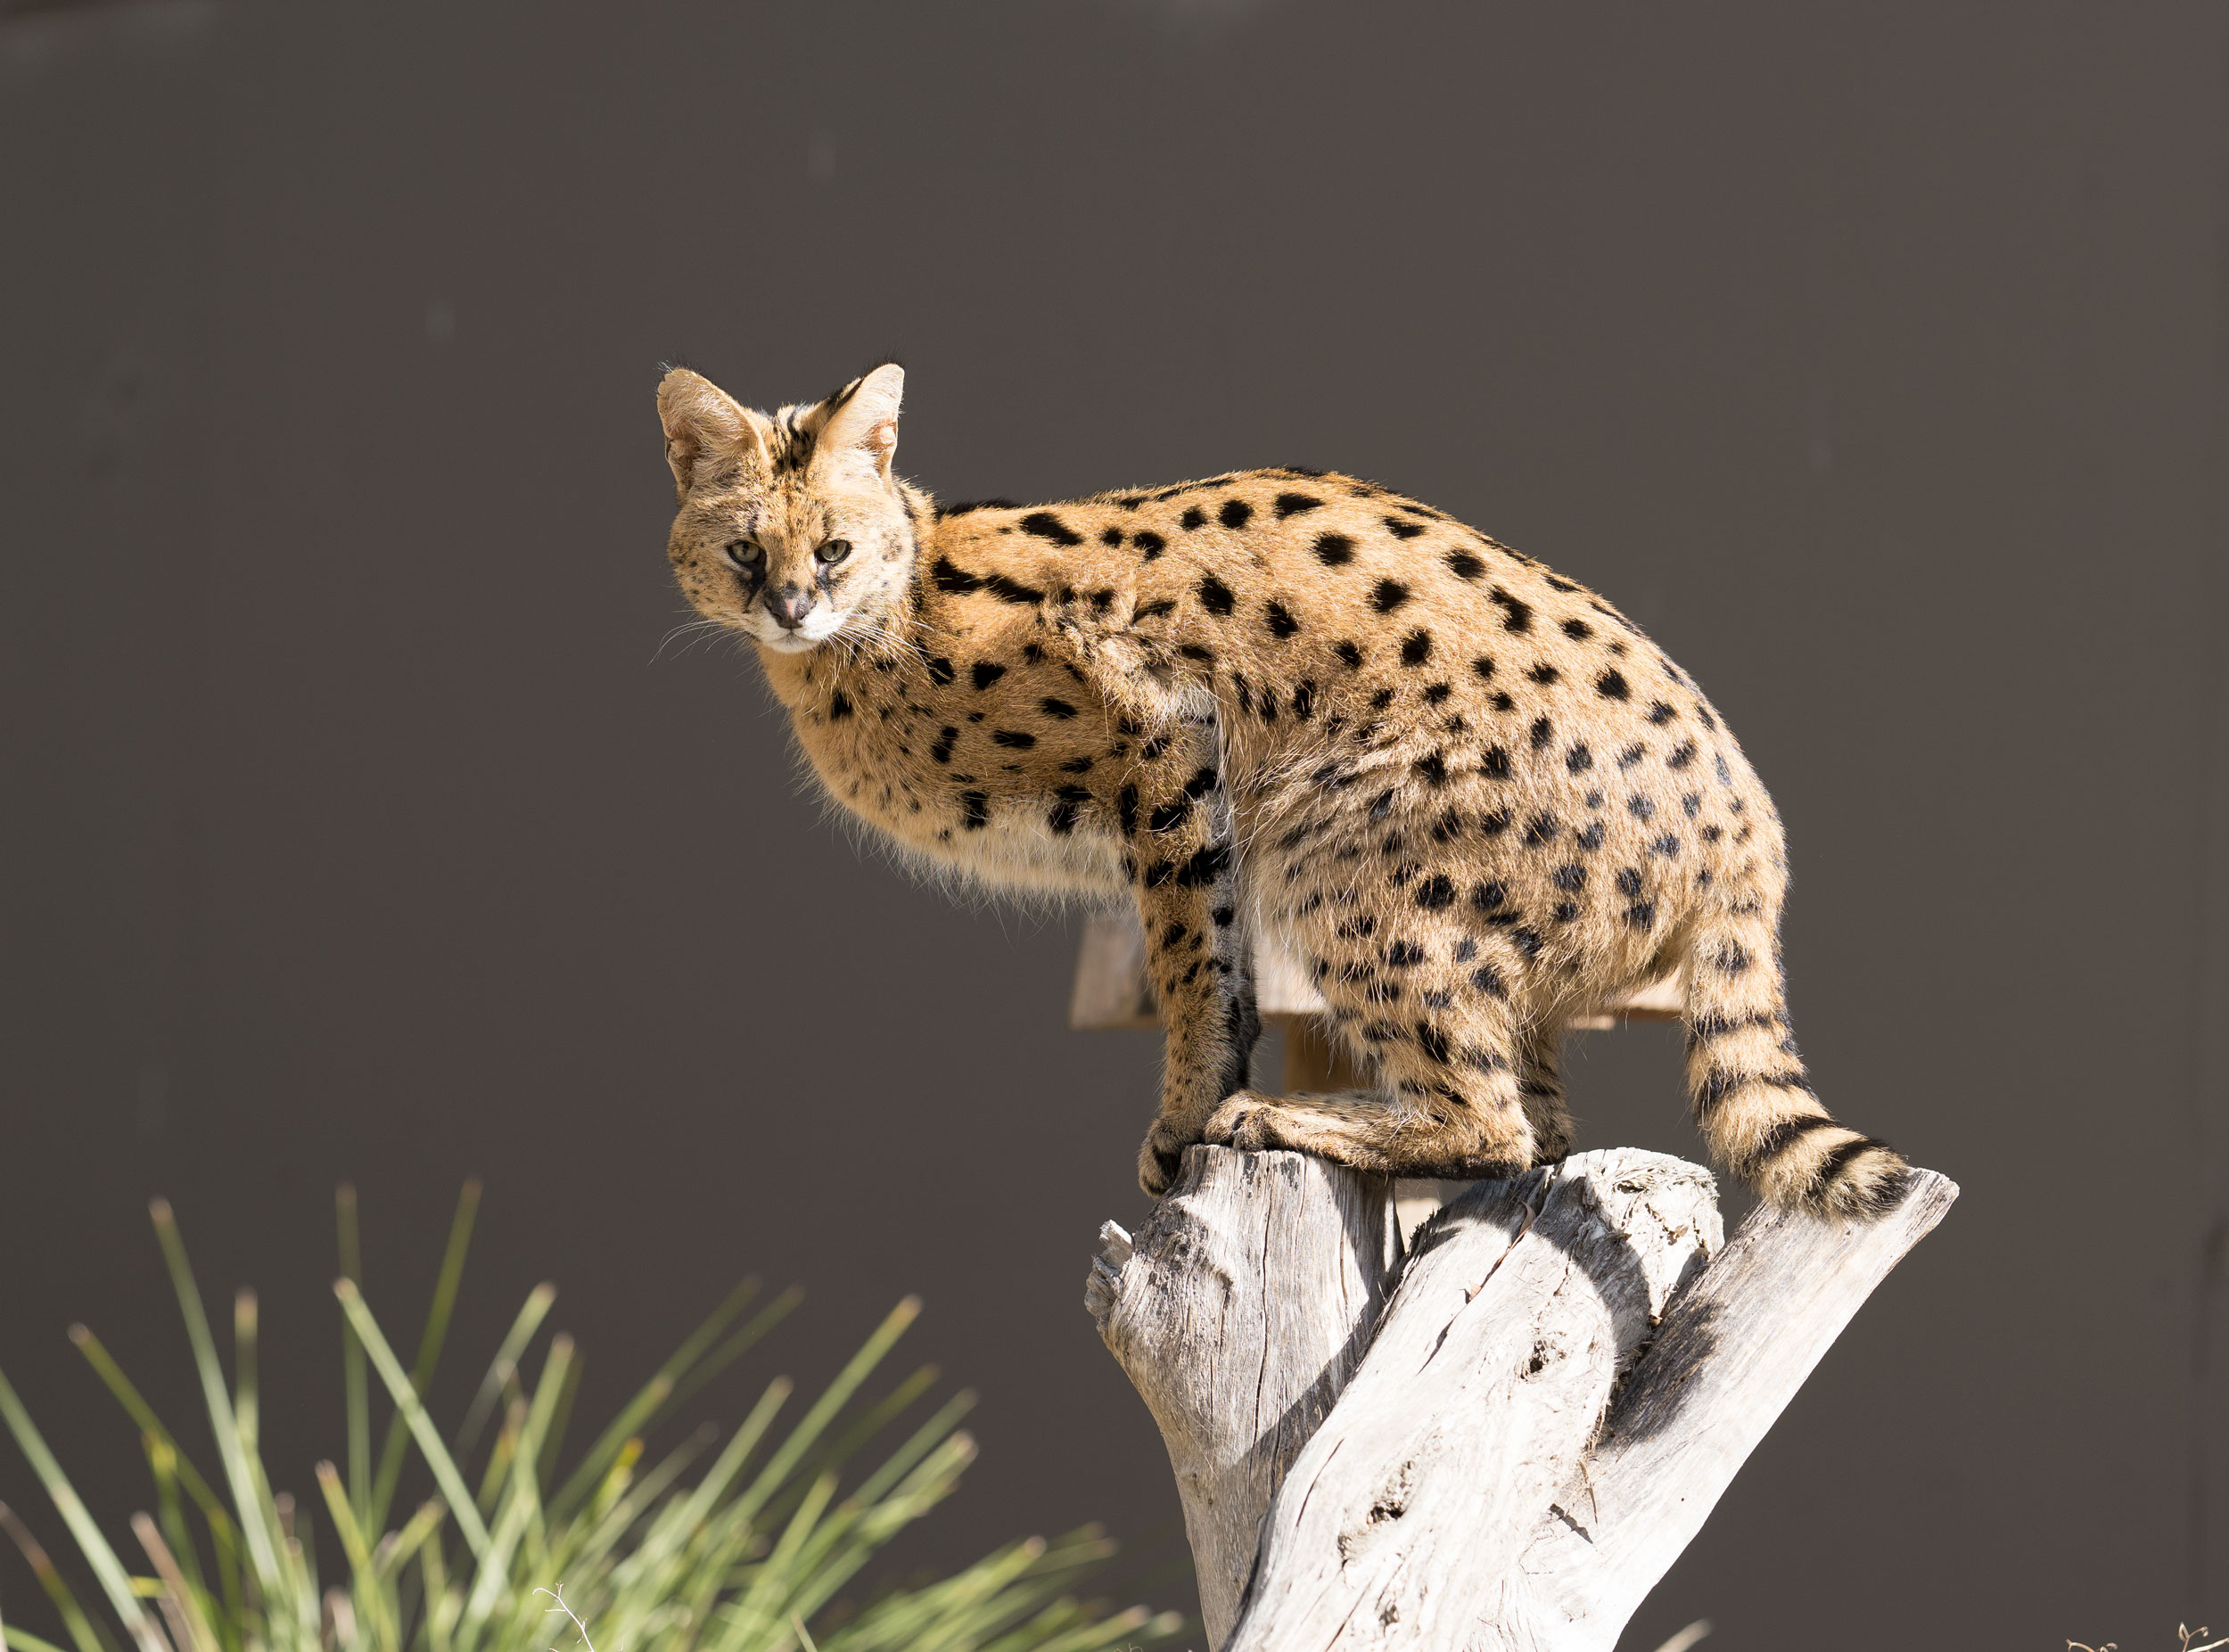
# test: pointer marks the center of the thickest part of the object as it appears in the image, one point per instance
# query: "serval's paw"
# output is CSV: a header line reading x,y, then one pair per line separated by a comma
x,y
1162,1156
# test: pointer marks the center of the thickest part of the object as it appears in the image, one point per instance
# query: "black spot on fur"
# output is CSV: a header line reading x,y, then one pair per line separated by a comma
x,y
940,671
1059,709
1334,550
1149,544
1541,732
1432,769
1489,897
1280,621
839,706
1235,513
1045,525
1542,828
1682,754
1438,694
1436,892
1214,596
1612,686
1402,530
985,672
1126,809
1192,518
1464,565
1293,504
1111,535
1303,699
1388,595
941,752
1578,629
1578,760
1544,674
1495,766
1484,666
1349,653
975,810
1068,803
1494,824
1416,648
1660,713
1516,616
1014,739
944,512
1170,815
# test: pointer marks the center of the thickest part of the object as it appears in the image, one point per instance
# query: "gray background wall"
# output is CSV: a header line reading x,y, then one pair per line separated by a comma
x,y
356,824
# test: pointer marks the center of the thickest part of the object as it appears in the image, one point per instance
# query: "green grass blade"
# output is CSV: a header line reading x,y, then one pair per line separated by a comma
x,y
137,1409
262,1547
412,1413
872,1420
647,1402
761,1604
354,1375
396,1548
824,1409
114,1581
371,1594
244,1394
178,1537
877,1485
88,1635
190,1627
552,1436
430,1341
505,1365
740,1343
24,1641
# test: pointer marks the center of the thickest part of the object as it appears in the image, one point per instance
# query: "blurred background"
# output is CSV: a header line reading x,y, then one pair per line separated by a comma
x,y
361,821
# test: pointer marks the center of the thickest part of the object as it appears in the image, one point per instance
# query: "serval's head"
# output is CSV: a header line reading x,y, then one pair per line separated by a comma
x,y
792,527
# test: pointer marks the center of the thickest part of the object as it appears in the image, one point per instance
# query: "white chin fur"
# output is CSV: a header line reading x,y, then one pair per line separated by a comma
x,y
819,625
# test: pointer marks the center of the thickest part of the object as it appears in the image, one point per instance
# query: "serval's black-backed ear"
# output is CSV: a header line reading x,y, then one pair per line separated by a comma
x,y
703,424
862,417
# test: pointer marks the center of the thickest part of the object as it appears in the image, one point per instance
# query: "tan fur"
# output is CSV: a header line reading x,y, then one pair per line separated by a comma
x,y
1470,793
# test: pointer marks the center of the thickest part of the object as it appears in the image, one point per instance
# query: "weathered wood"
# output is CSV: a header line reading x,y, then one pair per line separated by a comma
x,y
1238,1361
1476,1485
1733,1353
1481,1391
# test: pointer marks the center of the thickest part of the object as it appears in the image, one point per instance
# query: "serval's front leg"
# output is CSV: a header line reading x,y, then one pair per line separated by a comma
x,y
1177,845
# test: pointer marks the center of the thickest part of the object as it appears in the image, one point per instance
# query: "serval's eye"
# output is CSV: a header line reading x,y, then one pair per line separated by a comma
x,y
745,554
833,551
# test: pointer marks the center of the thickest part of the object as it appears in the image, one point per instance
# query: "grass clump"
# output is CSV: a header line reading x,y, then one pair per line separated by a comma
x,y
738,1543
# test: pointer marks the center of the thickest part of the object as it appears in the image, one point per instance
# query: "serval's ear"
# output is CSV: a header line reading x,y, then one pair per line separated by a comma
x,y
862,417
705,425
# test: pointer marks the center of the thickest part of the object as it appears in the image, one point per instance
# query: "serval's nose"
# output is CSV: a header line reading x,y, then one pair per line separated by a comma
x,y
789,606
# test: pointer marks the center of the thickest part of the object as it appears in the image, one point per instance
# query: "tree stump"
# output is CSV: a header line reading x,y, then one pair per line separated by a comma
x,y
1499,1440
